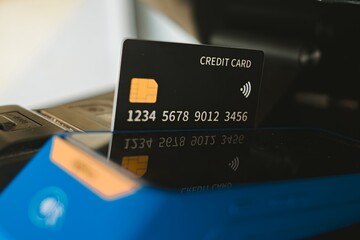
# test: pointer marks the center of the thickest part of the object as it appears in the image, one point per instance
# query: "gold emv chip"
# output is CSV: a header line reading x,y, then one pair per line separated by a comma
x,y
143,90
136,164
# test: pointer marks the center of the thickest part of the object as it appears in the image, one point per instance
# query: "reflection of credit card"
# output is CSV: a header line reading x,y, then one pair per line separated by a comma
x,y
171,86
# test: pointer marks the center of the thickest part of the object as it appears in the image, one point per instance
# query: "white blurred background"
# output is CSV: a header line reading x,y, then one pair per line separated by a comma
x,y
53,52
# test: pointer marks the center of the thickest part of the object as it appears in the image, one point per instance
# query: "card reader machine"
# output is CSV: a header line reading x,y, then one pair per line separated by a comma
x,y
264,183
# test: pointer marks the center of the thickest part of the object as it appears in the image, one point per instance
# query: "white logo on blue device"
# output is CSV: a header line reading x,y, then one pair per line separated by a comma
x,y
47,208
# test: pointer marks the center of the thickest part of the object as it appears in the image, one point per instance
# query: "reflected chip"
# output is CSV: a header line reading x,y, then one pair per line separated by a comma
x,y
136,164
143,90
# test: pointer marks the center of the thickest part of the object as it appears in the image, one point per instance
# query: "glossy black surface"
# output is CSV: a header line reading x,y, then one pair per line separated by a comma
x,y
179,159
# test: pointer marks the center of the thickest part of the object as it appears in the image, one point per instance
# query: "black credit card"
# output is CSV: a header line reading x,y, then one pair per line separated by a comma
x,y
184,86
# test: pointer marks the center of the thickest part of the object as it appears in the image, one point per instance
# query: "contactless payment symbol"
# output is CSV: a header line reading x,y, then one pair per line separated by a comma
x,y
143,90
47,208
246,89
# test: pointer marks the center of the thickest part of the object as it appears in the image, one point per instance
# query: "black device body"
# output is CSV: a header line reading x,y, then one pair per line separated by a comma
x,y
239,156
311,49
205,160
